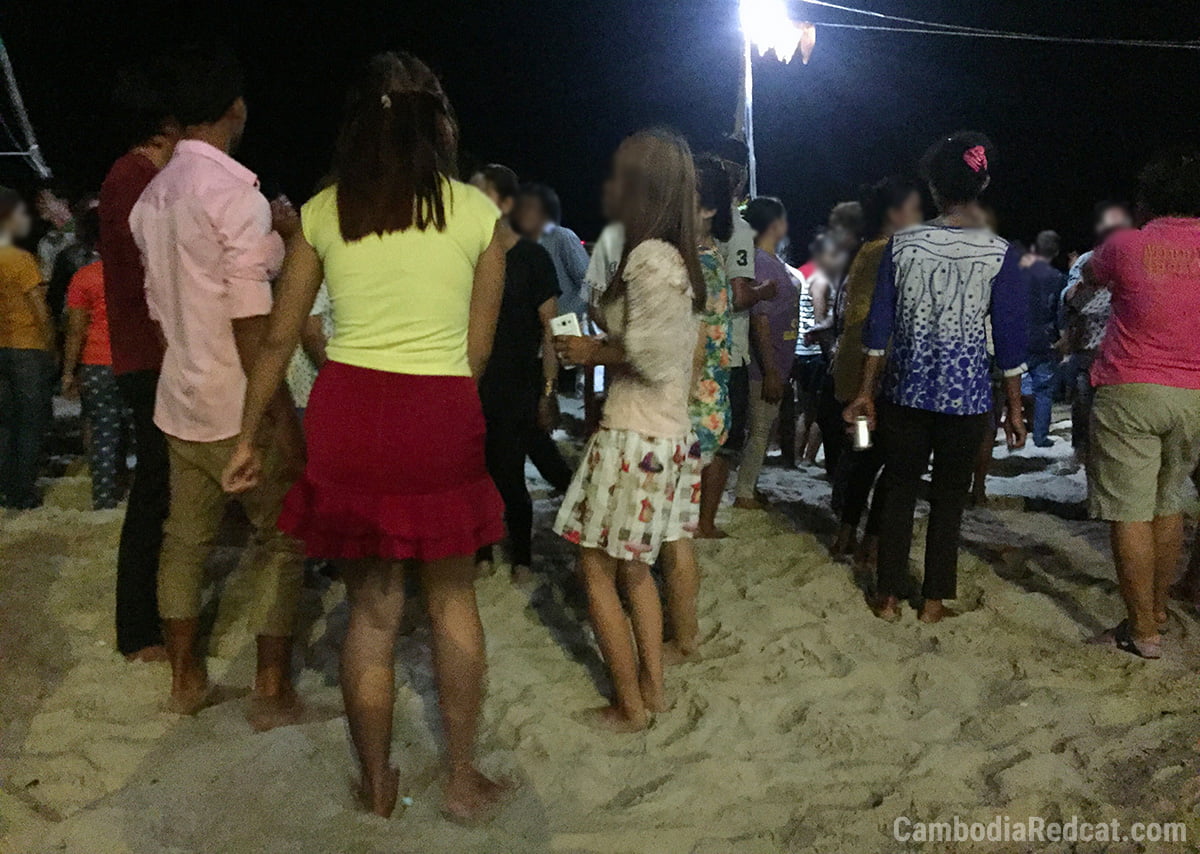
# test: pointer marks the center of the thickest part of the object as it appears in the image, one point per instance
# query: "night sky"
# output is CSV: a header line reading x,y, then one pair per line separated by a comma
x,y
551,86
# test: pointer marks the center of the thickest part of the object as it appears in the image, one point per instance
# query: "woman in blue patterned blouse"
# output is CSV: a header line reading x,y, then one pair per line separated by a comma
x,y
941,286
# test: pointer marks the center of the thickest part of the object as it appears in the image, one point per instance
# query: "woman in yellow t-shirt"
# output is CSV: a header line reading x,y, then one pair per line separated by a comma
x,y
26,359
395,430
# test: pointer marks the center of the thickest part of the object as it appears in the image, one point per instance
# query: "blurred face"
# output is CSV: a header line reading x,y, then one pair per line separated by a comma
x,y
528,217
1113,219
832,260
908,213
53,208
19,224
778,230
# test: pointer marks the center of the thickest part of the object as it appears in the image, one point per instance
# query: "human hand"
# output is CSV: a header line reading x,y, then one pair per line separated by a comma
x,y
70,386
284,218
860,407
1015,431
577,349
547,412
772,387
244,469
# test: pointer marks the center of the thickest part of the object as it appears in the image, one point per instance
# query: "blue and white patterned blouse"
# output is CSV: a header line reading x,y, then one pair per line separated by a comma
x,y
936,288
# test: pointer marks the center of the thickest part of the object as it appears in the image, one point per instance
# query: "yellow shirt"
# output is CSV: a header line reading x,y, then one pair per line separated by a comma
x,y
20,276
402,302
849,360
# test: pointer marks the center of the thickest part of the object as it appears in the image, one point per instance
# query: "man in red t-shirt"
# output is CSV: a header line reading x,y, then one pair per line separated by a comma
x,y
136,359
1146,414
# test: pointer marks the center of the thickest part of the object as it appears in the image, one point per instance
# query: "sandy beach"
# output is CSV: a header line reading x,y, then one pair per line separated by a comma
x,y
808,726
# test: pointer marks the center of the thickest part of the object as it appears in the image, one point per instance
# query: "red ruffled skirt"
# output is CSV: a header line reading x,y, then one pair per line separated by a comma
x,y
396,469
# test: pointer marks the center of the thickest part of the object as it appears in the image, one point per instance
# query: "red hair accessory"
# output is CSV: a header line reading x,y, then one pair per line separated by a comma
x,y
976,158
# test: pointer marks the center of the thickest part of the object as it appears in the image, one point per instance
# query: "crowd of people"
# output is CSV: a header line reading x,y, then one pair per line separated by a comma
x,y
369,375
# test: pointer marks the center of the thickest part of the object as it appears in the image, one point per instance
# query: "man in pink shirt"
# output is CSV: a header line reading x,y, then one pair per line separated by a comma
x,y
1146,416
209,246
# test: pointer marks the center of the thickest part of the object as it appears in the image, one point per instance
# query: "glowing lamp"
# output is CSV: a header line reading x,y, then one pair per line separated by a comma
x,y
766,25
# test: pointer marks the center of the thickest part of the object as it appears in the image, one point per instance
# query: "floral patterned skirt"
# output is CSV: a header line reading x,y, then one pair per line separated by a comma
x,y
631,494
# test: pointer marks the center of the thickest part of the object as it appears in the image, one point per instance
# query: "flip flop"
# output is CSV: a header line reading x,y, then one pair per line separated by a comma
x,y
1120,637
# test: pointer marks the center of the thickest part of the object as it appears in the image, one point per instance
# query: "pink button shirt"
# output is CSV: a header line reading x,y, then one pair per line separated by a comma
x,y
204,233
1154,331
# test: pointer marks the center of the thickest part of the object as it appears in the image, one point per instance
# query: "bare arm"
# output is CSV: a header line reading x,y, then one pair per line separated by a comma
x,y
486,294
864,404
312,340
547,410
36,300
747,293
820,292
78,320
265,345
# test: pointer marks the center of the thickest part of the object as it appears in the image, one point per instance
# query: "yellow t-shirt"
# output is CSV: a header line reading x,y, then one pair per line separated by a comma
x,y
20,328
402,302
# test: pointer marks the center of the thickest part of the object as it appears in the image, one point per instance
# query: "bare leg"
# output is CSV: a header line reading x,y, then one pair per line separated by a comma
x,y
275,702
1168,545
460,665
1134,553
189,679
683,589
376,594
642,594
712,489
814,442
628,712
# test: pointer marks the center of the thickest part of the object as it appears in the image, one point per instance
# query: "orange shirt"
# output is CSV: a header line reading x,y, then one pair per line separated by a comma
x,y
86,292
20,276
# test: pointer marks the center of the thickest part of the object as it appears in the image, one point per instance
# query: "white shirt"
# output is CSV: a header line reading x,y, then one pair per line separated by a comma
x,y
606,257
739,264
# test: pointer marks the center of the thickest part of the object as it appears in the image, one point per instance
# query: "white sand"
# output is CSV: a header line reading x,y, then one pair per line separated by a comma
x,y
809,725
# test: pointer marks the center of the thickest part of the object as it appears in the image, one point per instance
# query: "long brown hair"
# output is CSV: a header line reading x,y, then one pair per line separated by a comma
x,y
396,146
656,180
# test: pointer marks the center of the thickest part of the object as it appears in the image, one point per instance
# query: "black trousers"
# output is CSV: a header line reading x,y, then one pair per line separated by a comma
x,y
909,436
508,442
857,472
141,534
545,456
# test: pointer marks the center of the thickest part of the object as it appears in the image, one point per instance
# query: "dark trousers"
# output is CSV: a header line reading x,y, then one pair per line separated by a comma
x,y
106,413
739,414
544,454
508,442
857,471
26,395
142,533
909,436
1081,405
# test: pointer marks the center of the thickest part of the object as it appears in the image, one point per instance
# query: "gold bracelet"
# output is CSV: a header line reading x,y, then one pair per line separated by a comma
x,y
550,388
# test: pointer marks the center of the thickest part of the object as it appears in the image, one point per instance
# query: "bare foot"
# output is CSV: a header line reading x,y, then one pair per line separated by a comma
x,y
747,504
703,533
471,798
933,611
886,608
653,696
268,711
614,719
148,654
677,653
383,802
189,693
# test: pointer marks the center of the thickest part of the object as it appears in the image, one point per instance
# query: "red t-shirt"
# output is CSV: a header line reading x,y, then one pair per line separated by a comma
x,y
1154,331
135,344
86,292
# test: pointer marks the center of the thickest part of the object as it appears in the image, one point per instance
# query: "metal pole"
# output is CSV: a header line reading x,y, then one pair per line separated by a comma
x,y
33,154
748,97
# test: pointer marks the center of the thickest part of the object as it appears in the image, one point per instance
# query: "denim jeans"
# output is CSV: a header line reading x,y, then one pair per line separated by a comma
x,y
26,392
1040,385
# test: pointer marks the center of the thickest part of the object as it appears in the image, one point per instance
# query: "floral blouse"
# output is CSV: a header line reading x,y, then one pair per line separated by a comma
x,y
709,407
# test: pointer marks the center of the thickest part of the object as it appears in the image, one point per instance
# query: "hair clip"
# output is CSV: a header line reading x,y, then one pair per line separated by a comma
x,y
976,158
386,100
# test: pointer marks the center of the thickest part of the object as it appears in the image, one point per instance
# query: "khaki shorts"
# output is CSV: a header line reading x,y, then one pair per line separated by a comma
x,y
1145,444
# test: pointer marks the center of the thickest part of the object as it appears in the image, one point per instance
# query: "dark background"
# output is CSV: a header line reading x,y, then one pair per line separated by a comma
x,y
551,86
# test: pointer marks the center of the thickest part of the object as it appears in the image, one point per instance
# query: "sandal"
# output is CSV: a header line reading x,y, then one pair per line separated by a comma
x,y
1120,637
